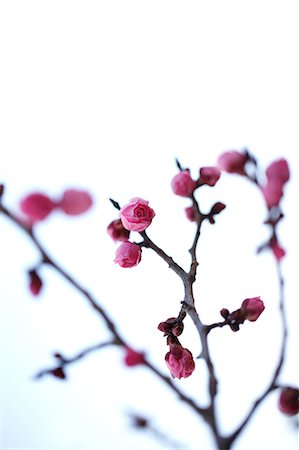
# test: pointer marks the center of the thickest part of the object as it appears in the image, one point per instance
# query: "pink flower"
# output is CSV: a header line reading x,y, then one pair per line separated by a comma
x,y
35,282
117,231
209,175
252,308
278,170
128,254
37,206
133,358
136,215
179,361
289,401
182,184
233,162
75,202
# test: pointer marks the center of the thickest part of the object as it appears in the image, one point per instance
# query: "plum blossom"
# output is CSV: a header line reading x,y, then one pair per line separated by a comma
x,y
136,215
289,401
209,176
117,231
252,308
37,206
133,358
182,184
179,361
128,255
75,201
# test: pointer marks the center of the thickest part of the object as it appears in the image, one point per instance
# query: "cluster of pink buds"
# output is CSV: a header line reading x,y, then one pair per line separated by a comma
x,y
135,216
37,206
179,360
251,309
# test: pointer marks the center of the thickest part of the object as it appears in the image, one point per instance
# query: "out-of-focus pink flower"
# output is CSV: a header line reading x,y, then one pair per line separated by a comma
x,y
37,206
182,184
136,215
252,308
75,202
209,175
35,282
191,213
289,401
179,361
279,171
117,231
277,250
133,358
128,254
233,162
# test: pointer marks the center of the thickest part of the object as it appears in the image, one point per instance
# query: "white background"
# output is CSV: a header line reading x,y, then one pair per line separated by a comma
x,y
104,95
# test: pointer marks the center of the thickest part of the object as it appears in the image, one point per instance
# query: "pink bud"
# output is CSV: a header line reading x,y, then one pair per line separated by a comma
x,y
75,202
179,361
35,282
278,171
272,193
289,401
133,358
233,162
209,175
171,326
136,215
191,213
252,308
117,231
128,254
182,184
37,206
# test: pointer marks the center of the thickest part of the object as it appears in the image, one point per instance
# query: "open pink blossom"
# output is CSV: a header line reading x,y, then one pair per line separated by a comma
x,y
182,184
128,254
233,162
179,361
289,401
75,202
117,231
37,206
209,175
252,308
133,358
136,215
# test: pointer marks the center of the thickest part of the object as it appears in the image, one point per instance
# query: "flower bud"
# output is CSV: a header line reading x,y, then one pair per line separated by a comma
x,y
75,202
209,176
192,213
289,401
182,184
252,308
117,231
278,171
128,254
277,250
136,215
133,358
35,282
37,206
58,373
233,162
179,361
